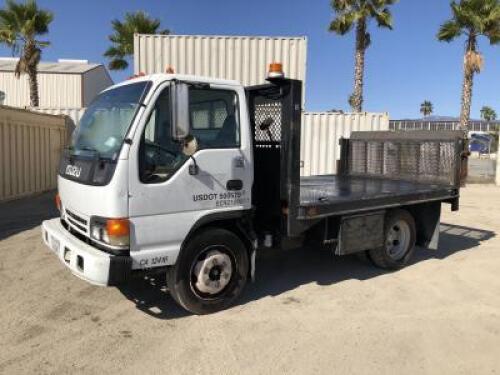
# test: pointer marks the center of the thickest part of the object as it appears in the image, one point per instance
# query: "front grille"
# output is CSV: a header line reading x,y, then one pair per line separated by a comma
x,y
76,222
77,218
83,229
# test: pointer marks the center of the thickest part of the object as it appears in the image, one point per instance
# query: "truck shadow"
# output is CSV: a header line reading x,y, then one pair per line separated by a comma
x,y
150,295
26,213
281,271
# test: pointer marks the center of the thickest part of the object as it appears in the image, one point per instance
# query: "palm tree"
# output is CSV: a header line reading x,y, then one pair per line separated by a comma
x,y
471,18
426,108
488,114
358,13
20,24
122,39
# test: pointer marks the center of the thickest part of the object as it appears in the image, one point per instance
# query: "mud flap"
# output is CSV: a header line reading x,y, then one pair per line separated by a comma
x,y
427,220
434,242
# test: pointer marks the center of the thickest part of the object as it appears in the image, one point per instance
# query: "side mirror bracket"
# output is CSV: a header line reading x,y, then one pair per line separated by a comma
x,y
193,168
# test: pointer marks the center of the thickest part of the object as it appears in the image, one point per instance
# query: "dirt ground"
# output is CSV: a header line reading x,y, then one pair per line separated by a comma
x,y
307,313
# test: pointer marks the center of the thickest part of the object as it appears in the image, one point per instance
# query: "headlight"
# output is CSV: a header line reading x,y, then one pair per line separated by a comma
x,y
113,232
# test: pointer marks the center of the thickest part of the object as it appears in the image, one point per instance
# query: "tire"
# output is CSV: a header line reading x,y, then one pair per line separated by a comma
x,y
210,273
399,241
363,257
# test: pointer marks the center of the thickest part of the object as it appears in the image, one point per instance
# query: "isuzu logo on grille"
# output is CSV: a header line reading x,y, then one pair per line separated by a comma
x,y
73,170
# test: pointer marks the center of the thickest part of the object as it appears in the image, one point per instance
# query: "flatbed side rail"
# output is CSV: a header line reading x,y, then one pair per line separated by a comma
x,y
425,157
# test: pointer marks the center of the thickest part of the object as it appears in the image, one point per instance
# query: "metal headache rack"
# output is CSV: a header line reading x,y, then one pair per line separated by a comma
x,y
267,109
417,156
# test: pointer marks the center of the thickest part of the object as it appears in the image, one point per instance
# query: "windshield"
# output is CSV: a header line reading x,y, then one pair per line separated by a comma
x,y
106,121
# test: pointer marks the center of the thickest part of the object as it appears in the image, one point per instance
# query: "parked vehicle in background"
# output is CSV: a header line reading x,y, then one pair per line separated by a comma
x,y
481,142
189,176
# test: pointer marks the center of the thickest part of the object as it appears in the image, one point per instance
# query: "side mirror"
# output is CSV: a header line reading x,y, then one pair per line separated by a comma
x,y
265,127
189,148
179,93
266,124
190,145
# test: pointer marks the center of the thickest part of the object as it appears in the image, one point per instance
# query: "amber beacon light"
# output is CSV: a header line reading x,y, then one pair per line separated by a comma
x,y
276,70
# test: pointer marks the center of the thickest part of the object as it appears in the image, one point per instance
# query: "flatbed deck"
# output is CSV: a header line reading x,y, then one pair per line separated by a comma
x,y
322,196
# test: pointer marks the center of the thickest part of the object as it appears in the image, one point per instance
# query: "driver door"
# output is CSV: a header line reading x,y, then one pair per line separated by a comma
x,y
165,200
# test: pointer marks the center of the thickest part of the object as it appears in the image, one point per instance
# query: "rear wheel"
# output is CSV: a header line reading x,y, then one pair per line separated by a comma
x,y
210,273
399,244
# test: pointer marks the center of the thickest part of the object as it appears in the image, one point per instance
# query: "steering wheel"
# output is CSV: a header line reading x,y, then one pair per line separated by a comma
x,y
158,157
160,147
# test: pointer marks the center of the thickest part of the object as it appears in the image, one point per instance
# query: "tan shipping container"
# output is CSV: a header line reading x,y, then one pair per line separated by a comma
x,y
30,146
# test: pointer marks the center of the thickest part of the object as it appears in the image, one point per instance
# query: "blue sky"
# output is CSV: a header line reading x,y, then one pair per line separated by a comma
x,y
404,66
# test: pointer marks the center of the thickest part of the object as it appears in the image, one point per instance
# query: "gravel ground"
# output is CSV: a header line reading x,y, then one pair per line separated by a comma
x,y
307,312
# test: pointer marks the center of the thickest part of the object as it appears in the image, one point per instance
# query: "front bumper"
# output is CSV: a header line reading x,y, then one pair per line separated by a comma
x,y
85,261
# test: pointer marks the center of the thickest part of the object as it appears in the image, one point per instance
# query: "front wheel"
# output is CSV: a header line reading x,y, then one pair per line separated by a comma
x,y
210,273
399,244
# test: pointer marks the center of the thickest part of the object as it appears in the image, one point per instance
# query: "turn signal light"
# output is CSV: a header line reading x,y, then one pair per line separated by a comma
x,y
57,199
117,232
114,232
117,227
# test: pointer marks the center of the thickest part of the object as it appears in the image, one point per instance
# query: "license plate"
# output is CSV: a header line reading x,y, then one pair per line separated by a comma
x,y
54,244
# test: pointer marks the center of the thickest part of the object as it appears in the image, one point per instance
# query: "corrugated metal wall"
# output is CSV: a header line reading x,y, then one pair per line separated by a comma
x,y
30,145
75,114
55,90
242,58
321,132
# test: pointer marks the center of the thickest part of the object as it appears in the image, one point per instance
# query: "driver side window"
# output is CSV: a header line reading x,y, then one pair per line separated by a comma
x,y
214,122
214,117
160,156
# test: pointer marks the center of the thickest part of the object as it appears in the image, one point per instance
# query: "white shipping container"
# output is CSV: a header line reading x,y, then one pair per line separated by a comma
x,y
241,58
321,133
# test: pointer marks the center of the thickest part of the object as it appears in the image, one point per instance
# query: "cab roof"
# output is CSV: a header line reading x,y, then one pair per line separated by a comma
x,y
162,77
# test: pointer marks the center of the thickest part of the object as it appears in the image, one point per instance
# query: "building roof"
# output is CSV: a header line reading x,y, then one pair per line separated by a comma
x,y
59,67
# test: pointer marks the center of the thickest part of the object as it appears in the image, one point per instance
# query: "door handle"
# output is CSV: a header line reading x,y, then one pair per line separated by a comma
x,y
234,185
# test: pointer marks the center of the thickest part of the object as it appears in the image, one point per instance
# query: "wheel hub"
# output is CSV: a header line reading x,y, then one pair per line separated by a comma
x,y
398,240
213,273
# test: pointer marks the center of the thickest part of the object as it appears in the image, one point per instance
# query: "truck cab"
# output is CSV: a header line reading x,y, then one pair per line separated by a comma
x,y
188,176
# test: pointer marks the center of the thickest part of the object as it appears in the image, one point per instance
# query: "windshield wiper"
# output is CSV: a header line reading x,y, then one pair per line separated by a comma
x,y
88,149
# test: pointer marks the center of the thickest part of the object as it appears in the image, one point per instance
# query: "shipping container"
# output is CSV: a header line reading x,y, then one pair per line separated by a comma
x,y
241,58
30,146
321,133
75,114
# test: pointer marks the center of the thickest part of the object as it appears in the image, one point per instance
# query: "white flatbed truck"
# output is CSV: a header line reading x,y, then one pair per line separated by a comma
x,y
190,176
